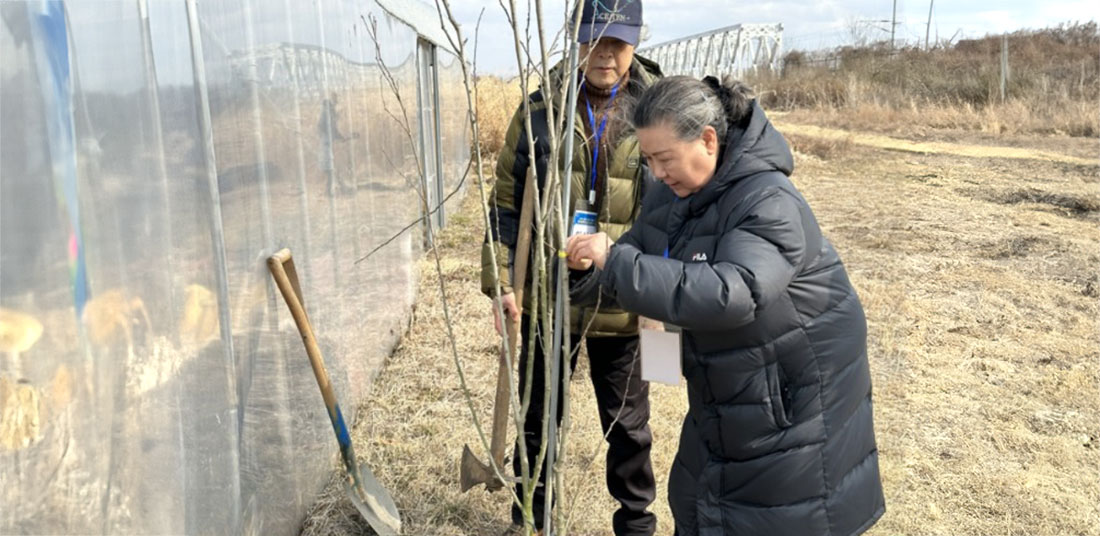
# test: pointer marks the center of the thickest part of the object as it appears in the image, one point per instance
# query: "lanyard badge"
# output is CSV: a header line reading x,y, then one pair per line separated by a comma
x,y
584,215
584,220
597,134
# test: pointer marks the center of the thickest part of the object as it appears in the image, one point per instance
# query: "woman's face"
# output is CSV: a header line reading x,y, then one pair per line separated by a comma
x,y
685,166
605,61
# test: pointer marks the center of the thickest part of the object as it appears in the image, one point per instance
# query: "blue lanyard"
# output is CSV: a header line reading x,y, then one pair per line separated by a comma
x,y
669,237
597,133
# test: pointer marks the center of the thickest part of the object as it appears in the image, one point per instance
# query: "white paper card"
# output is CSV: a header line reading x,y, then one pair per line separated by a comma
x,y
660,356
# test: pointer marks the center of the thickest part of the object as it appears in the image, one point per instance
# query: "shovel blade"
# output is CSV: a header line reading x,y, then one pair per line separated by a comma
x,y
374,504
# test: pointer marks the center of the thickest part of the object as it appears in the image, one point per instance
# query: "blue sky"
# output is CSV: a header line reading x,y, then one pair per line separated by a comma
x,y
807,25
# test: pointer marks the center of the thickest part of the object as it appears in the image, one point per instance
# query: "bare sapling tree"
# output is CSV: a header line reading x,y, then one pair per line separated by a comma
x,y
543,207
401,118
548,296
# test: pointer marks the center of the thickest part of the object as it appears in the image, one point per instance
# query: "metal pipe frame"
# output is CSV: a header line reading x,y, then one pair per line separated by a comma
x,y
206,130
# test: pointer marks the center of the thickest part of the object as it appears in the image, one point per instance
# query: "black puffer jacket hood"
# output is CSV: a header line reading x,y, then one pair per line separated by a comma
x,y
750,148
779,437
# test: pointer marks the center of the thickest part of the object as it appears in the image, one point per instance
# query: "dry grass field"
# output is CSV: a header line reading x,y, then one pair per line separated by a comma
x,y
497,100
977,264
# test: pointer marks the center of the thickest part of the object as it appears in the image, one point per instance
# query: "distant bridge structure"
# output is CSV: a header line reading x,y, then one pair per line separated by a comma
x,y
316,68
734,50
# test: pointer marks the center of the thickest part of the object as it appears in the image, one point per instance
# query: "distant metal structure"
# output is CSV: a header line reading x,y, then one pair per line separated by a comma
x,y
277,63
733,50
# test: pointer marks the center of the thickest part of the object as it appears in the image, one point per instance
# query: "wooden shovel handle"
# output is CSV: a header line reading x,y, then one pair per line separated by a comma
x,y
281,265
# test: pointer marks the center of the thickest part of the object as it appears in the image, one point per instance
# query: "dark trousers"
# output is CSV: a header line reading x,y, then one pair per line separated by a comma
x,y
623,399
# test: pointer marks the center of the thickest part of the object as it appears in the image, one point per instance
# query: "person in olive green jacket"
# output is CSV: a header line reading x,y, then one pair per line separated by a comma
x,y
608,173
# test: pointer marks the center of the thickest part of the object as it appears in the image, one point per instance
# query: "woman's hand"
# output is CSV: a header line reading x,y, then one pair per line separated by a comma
x,y
649,323
593,247
581,265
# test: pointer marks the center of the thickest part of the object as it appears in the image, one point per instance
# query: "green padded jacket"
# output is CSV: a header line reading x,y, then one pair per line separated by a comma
x,y
619,203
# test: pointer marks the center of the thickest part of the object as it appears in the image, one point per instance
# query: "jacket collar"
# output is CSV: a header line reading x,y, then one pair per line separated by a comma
x,y
643,73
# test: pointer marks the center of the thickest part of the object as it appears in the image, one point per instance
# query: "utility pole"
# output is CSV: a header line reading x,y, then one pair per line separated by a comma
x,y
893,24
928,27
1004,65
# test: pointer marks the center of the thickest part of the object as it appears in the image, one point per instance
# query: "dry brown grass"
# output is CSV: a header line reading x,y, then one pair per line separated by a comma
x,y
497,101
1053,86
982,308
979,277
821,147
1015,117
1069,151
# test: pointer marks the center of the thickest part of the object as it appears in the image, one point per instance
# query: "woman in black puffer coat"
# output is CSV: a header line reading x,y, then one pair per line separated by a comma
x,y
778,439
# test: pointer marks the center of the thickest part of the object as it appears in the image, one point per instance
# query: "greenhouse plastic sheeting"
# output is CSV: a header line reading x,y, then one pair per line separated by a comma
x,y
152,156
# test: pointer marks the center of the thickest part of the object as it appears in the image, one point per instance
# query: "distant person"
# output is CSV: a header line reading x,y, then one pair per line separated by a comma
x,y
778,439
329,130
607,181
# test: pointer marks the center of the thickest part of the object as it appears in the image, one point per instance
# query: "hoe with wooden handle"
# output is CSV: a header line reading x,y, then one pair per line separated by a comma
x,y
473,472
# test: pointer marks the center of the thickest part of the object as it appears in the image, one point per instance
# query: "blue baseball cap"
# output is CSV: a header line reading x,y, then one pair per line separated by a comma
x,y
620,19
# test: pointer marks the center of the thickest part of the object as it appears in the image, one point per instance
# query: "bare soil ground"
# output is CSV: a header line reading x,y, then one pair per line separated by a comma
x,y
979,274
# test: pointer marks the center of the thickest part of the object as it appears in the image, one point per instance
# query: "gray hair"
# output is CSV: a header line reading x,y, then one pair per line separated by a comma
x,y
688,105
